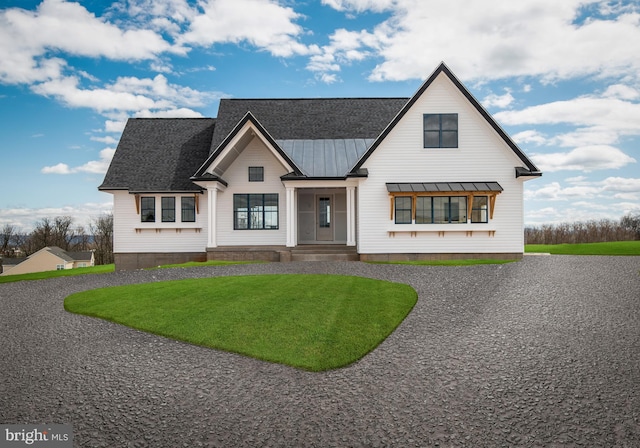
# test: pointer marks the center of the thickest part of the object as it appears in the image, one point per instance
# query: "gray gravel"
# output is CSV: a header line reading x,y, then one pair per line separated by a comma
x,y
544,352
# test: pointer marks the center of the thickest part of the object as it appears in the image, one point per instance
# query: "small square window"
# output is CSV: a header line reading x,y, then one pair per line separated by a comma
x,y
256,174
440,130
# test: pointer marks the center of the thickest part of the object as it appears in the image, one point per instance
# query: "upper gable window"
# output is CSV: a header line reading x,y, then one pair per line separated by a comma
x,y
256,174
440,130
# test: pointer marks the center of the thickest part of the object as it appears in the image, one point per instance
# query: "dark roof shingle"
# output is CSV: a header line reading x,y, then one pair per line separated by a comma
x,y
310,118
159,154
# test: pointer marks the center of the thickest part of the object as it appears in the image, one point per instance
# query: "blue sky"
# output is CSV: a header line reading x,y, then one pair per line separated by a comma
x,y
562,78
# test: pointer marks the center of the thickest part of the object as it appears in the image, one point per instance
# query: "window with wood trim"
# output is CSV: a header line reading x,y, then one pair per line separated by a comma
x,y
407,208
480,209
404,209
147,209
440,130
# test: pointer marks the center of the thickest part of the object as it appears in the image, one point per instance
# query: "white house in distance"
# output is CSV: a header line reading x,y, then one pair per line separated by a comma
x,y
432,176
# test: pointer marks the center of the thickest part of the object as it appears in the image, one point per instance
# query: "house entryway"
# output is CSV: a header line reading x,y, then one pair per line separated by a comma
x,y
322,216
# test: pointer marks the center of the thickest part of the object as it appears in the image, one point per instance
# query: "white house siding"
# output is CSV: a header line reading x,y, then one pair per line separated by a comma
x,y
481,156
130,235
237,177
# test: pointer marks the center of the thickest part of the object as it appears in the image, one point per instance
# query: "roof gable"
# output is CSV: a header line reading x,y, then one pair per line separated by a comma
x,y
225,154
531,169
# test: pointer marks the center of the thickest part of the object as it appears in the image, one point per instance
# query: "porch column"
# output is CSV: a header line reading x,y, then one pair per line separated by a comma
x,y
291,217
351,216
212,193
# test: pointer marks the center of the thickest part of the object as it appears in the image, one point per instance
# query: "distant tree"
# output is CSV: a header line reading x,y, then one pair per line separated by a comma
x,y
102,230
7,234
631,222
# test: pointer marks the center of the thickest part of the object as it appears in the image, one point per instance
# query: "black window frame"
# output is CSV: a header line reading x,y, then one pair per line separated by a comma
x,y
168,208
427,216
443,132
449,211
403,215
478,209
252,210
147,209
187,209
256,174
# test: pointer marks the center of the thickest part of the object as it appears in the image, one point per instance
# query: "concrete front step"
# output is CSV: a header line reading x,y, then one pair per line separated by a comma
x,y
324,257
324,253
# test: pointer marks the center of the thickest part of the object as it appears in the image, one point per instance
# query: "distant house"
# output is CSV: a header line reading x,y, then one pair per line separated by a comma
x,y
48,259
430,176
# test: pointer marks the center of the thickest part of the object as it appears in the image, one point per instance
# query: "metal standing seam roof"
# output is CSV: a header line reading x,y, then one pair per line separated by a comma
x,y
325,157
437,187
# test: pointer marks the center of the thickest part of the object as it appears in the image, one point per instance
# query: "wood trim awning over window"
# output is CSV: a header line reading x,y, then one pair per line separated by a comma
x,y
468,189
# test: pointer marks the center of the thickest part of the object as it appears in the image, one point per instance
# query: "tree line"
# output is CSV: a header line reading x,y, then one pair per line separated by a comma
x,y
626,228
61,231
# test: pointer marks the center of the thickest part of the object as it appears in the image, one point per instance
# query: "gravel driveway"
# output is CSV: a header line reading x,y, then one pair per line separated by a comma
x,y
544,352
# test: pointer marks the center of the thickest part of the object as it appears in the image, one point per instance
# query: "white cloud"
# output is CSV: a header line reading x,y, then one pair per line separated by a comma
x,y
501,101
99,166
107,140
586,158
30,40
359,5
530,136
608,189
128,94
263,23
25,218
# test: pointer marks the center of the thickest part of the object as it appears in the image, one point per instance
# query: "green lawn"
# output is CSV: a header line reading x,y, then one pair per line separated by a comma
x,y
102,269
613,248
313,322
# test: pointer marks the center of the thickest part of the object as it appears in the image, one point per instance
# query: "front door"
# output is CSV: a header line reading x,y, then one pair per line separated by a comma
x,y
324,217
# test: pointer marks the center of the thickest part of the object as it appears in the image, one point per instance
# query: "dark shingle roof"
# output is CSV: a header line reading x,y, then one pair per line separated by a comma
x,y
159,154
310,119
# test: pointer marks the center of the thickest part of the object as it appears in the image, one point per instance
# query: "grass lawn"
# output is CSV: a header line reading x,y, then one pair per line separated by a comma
x,y
313,322
613,248
102,269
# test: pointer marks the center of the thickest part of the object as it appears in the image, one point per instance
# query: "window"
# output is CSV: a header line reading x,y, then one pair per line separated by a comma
x,y
449,209
60,267
424,210
256,174
440,130
168,209
480,209
324,208
403,209
148,209
255,211
188,205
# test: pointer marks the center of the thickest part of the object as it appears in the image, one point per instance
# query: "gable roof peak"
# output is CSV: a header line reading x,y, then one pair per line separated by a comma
x,y
442,68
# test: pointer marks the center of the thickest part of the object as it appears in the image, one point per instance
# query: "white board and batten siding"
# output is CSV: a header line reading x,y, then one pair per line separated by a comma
x,y
130,235
237,177
481,156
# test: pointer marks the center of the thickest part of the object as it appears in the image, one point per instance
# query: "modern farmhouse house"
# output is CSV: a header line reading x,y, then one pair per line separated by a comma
x,y
431,176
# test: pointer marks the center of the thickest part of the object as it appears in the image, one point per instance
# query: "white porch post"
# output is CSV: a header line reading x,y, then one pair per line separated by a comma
x,y
351,216
211,206
291,216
